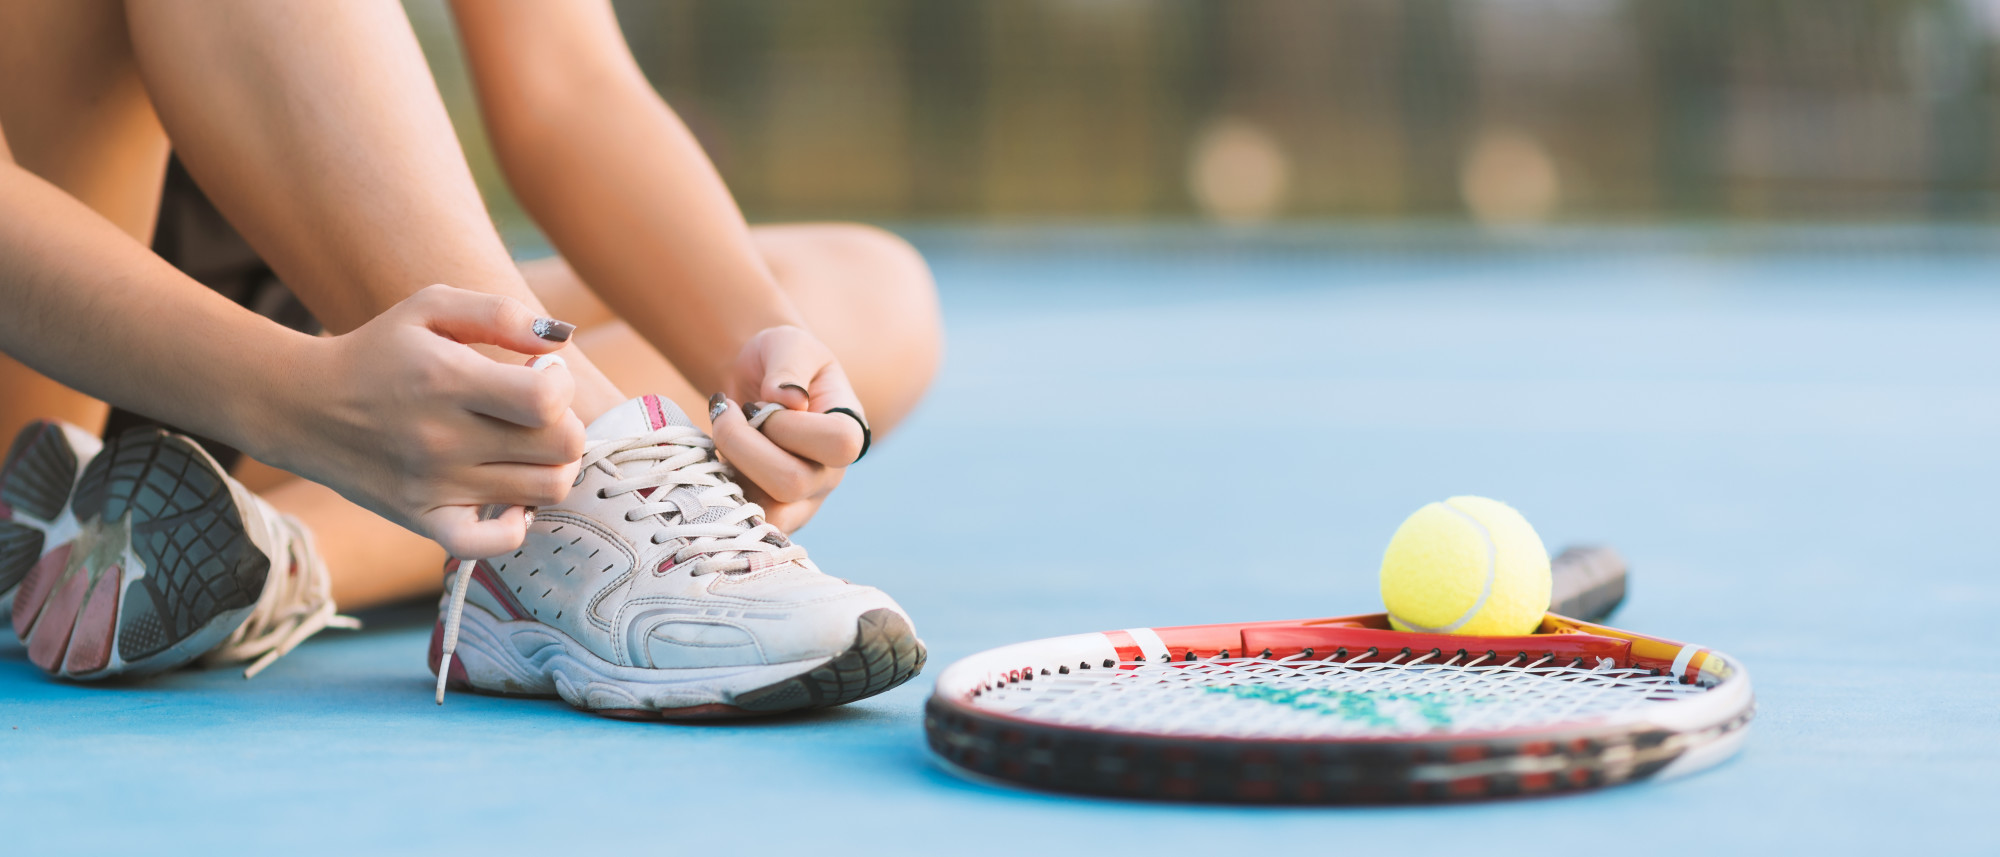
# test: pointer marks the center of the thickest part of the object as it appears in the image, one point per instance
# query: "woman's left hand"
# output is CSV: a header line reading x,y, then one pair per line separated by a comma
x,y
800,454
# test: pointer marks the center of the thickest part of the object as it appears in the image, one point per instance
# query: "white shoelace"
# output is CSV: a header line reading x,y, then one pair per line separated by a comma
x,y
297,602
660,462
681,456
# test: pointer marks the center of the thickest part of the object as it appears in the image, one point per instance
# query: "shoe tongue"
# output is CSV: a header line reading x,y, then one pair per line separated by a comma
x,y
637,417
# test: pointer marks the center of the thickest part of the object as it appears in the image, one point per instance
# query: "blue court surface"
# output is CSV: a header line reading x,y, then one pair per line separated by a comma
x,y
1793,436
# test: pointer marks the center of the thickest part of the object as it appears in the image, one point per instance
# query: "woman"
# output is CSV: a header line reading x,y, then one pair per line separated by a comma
x,y
836,324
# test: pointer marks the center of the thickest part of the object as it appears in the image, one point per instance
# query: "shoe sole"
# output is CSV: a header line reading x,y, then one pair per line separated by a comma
x,y
527,658
161,570
35,484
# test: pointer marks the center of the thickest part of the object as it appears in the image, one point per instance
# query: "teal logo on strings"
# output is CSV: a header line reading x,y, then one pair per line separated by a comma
x,y
1380,710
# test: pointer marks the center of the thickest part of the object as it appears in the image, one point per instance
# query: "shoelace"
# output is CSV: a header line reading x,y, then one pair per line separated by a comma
x,y
297,602
662,461
678,456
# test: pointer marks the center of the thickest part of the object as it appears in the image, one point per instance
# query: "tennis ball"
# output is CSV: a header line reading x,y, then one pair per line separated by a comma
x,y
1468,565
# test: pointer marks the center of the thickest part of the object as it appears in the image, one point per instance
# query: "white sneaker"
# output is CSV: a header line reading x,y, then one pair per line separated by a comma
x,y
168,559
655,591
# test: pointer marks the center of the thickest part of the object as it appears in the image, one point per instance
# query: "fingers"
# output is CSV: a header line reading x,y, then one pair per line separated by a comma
x,y
783,476
796,370
513,488
464,535
522,395
532,422
830,439
512,484
496,442
479,318
791,364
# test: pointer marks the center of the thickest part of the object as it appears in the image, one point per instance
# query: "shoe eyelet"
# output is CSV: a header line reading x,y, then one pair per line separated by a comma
x,y
601,495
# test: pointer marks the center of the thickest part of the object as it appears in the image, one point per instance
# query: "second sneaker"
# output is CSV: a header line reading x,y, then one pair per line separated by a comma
x,y
153,558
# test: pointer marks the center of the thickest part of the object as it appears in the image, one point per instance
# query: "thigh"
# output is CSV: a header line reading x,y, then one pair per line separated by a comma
x,y
75,110
863,291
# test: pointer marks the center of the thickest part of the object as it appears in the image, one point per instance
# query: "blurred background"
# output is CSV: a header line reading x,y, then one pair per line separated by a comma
x,y
1499,112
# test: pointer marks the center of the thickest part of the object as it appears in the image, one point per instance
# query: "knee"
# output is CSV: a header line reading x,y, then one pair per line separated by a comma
x,y
889,260
863,267
907,295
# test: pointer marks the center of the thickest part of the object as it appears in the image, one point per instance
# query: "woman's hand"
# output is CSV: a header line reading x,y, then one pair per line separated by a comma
x,y
402,416
801,453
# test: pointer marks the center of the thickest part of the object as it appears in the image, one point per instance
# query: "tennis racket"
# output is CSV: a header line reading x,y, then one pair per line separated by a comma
x,y
1342,710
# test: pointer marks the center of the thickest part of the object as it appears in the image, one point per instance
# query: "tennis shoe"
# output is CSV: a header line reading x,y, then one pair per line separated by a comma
x,y
161,558
655,591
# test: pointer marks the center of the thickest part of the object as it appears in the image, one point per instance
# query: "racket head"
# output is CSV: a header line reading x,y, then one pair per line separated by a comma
x,y
1338,710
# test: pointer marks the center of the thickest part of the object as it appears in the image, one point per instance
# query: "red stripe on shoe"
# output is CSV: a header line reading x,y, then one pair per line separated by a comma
x,y
458,679
36,586
96,626
483,575
50,639
657,419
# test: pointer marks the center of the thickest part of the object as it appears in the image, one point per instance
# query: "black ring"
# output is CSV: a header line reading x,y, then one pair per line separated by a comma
x,y
867,437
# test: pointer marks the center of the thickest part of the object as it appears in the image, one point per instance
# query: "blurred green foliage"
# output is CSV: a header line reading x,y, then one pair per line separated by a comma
x,y
1501,110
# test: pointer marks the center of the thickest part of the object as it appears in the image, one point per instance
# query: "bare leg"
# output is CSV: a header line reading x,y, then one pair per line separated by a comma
x,y
377,201
371,560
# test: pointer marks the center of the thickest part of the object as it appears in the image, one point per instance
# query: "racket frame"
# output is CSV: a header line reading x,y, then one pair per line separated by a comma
x,y
1654,741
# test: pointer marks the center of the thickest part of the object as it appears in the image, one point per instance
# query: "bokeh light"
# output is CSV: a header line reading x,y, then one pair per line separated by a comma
x,y
1509,179
1238,172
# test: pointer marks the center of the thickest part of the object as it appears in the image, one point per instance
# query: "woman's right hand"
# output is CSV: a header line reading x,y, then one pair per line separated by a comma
x,y
404,417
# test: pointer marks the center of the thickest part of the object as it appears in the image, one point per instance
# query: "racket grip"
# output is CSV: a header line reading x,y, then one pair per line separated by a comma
x,y
1589,582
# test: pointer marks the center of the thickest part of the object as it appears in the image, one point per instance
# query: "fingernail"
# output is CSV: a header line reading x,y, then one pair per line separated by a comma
x,y
529,516
546,360
552,330
716,405
802,390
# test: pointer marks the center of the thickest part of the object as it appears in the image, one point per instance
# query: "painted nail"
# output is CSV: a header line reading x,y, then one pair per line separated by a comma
x,y
552,330
802,390
716,405
529,514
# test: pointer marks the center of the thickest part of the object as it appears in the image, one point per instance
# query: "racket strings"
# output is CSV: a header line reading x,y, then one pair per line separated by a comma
x,y
1300,697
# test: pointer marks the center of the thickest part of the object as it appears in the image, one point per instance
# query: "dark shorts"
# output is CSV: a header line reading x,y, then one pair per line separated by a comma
x,y
195,238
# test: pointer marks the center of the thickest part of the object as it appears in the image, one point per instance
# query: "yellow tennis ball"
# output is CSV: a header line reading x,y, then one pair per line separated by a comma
x,y
1468,565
